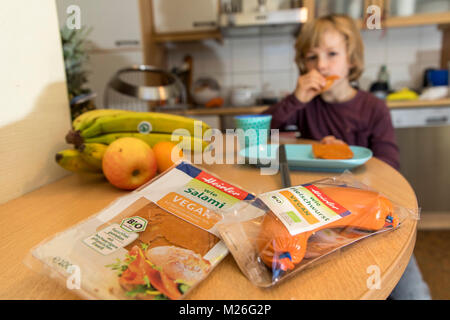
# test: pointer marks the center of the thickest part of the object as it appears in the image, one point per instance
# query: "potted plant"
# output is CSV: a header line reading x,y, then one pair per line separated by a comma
x,y
75,57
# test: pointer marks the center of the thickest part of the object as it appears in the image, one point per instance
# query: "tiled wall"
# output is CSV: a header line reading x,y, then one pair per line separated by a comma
x,y
267,62
407,52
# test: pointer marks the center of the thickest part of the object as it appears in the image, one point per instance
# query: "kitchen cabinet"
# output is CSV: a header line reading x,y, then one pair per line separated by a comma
x,y
171,16
181,20
114,25
115,38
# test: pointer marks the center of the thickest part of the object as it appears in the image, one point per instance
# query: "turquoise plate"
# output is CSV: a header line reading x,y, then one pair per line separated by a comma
x,y
300,157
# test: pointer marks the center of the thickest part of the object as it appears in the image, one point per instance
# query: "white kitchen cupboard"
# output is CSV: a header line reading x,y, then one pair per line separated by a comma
x,y
173,16
115,23
115,39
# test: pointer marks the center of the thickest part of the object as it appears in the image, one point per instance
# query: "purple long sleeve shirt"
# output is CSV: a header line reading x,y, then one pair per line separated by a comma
x,y
362,121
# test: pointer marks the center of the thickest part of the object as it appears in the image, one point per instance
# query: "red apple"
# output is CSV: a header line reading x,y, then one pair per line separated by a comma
x,y
128,163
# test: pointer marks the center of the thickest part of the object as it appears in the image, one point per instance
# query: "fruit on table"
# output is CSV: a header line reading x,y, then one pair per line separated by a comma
x,y
86,119
185,142
166,153
281,251
107,125
94,130
143,122
93,153
128,163
71,159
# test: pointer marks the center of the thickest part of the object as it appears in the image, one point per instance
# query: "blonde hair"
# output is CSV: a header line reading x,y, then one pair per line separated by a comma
x,y
310,37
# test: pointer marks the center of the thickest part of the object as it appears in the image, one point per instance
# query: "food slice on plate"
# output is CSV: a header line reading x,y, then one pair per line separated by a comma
x,y
336,151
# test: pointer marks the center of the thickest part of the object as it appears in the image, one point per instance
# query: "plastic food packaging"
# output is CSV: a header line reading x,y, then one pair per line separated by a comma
x,y
156,242
285,231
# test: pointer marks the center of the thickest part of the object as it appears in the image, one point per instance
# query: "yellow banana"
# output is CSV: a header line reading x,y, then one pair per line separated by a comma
x,y
70,159
187,142
86,119
93,153
144,122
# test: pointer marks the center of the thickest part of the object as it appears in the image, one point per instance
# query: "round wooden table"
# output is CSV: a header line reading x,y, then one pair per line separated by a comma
x,y
27,220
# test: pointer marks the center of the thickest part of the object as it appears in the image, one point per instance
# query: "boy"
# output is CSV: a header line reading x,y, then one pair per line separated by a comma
x,y
332,47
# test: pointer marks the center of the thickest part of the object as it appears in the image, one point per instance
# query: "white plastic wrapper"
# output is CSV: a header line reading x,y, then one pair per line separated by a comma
x,y
157,242
284,231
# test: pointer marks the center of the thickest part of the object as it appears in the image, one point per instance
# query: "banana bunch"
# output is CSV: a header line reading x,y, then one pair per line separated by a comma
x,y
79,161
85,119
94,130
184,142
106,125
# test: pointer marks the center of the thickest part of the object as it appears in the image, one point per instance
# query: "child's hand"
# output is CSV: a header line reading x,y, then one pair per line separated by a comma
x,y
331,140
309,86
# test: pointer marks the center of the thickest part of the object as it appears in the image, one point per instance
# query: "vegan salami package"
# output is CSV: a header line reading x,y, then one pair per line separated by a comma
x,y
157,242
284,231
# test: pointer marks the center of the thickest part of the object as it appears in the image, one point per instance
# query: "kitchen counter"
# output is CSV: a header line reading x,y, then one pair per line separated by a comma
x,y
231,111
30,219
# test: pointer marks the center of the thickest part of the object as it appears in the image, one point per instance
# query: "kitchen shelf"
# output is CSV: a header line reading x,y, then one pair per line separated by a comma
x,y
419,103
230,111
222,111
418,19
441,18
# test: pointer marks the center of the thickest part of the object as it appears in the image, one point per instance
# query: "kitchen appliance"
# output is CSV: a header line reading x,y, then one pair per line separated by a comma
x,y
144,87
260,17
423,137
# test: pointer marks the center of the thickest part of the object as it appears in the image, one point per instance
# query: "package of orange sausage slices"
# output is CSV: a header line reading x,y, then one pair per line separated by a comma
x,y
154,243
285,231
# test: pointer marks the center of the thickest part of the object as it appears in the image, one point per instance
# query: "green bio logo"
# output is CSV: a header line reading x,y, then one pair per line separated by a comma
x,y
293,216
144,127
134,224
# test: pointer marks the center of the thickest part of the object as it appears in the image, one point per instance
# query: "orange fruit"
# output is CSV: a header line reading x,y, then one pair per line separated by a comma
x,y
166,153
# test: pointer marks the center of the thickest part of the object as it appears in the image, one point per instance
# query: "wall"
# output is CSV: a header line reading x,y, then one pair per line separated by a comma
x,y
266,62
34,116
407,52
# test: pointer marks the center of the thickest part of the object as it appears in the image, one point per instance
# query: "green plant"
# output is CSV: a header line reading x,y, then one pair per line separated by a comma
x,y
75,58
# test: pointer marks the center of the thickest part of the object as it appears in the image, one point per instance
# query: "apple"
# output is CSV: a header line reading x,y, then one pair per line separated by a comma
x,y
128,163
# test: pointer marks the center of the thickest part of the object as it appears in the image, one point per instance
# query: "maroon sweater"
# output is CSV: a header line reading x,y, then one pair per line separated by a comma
x,y
363,121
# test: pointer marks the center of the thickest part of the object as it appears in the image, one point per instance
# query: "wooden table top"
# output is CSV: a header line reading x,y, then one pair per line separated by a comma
x,y
26,221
